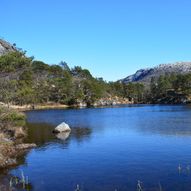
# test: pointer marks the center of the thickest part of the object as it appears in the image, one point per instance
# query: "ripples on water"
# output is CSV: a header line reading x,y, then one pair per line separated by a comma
x,y
110,148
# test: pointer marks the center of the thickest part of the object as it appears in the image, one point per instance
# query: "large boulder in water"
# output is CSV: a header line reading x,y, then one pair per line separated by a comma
x,y
63,127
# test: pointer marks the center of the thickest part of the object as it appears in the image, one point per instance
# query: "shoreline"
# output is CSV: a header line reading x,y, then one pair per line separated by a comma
x,y
99,103
60,106
12,134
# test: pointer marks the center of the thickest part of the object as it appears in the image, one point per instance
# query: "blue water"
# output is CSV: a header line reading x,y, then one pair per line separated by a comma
x,y
110,148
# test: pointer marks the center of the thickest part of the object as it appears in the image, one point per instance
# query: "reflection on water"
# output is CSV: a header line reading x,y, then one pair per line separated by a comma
x,y
110,148
171,120
63,136
42,134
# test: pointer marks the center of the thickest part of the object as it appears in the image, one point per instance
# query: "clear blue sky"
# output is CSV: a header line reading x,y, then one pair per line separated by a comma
x,y
111,38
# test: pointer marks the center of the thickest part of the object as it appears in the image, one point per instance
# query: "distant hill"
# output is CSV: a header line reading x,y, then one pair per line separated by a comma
x,y
145,75
6,47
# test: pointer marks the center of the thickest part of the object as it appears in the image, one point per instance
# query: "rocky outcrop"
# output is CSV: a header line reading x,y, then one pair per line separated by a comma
x,y
145,75
106,101
63,127
111,101
6,47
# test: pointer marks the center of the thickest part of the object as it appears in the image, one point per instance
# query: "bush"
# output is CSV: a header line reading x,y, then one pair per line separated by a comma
x,y
11,116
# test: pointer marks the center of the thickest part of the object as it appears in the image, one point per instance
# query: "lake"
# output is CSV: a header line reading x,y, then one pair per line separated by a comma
x,y
110,149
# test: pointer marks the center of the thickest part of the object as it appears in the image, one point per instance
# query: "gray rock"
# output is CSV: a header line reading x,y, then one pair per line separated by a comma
x,y
63,127
6,47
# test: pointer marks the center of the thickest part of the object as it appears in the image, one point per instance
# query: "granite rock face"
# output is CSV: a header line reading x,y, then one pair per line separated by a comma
x,y
145,75
6,47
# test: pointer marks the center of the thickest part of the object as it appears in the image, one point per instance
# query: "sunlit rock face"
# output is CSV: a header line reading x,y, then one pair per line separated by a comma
x,y
145,75
63,127
6,47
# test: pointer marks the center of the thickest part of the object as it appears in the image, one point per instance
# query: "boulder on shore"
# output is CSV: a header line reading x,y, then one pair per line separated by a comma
x,y
63,127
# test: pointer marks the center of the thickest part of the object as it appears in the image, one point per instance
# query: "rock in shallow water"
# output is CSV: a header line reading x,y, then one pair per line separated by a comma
x,y
63,136
63,127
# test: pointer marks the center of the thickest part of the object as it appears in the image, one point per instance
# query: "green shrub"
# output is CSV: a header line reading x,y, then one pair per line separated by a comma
x,y
11,116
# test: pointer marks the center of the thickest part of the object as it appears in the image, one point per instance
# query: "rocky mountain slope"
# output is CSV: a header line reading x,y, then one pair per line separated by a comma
x,y
6,47
145,75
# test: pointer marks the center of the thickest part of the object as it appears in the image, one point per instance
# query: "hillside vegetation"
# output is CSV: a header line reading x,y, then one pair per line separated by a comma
x,y
26,81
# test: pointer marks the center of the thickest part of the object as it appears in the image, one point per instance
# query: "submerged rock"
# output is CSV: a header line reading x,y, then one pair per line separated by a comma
x,y
63,127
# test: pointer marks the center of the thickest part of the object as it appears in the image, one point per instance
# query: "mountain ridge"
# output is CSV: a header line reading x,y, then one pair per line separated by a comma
x,y
145,75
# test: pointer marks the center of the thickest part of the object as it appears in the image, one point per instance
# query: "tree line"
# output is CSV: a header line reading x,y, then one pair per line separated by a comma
x,y
24,80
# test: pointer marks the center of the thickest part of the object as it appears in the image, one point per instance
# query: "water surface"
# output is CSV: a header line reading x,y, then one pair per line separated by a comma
x,y
110,148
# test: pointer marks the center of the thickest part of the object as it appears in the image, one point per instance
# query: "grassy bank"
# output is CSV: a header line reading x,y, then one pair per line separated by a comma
x,y
12,132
